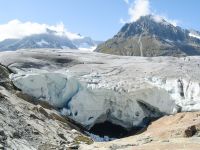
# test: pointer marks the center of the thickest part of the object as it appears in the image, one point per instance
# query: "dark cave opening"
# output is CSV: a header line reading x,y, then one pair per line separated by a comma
x,y
112,130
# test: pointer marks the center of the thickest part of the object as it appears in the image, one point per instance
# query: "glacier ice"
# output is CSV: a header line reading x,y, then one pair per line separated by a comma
x,y
89,106
54,88
100,87
185,92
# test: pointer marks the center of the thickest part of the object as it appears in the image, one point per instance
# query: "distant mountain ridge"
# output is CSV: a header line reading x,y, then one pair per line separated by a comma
x,y
152,36
50,39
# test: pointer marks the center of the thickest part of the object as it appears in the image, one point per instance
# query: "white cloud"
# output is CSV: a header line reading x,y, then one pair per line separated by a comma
x,y
16,29
126,1
161,18
122,21
174,22
139,8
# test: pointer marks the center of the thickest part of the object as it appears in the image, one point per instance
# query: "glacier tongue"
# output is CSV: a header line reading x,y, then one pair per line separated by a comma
x,y
88,105
93,88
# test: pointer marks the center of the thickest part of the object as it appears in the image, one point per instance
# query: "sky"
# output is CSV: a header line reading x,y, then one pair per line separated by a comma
x,y
99,19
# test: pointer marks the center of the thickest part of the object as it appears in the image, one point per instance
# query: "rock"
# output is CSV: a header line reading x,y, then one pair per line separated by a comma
x,y
2,133
165,140
17,134
190,131
3,137
62,136
1,146
36,132
73,146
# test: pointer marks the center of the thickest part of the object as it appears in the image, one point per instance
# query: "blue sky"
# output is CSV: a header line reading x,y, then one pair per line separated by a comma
x,y
99,19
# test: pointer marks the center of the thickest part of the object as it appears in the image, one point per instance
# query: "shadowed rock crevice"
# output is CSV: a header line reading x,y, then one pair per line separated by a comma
x,y
109,131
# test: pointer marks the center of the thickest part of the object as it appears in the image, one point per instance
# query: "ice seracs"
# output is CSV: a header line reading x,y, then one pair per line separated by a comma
x,y
54,88
185,92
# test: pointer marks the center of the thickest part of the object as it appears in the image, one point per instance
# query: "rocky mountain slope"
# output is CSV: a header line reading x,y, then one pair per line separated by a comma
x,y
49,96
152,36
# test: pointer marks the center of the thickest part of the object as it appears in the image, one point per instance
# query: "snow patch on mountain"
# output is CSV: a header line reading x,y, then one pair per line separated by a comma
x,y
42,42
194,35
164,20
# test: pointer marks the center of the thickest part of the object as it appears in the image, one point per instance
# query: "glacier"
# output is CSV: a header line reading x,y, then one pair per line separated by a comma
x,y
88,105
95,87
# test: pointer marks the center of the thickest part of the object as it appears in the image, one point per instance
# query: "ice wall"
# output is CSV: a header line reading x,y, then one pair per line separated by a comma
x,y
88,105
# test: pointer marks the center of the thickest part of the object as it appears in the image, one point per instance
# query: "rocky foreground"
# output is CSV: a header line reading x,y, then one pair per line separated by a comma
x,y
50,97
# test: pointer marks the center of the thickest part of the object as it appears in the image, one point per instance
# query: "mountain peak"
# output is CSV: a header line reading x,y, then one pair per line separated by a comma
x,y
152,36
154,18
50,39
152,25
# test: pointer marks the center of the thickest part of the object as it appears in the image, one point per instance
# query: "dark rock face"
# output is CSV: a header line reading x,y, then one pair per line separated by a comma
x,y
4,78
149,37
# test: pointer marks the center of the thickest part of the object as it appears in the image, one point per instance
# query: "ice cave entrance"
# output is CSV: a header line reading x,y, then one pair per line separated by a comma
x,y
108,131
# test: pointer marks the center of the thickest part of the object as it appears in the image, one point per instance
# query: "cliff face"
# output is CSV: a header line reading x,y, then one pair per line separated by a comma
x,y
152,37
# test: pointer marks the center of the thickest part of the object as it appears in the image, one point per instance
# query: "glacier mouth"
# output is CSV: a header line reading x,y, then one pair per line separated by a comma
x,y
98,88
96,108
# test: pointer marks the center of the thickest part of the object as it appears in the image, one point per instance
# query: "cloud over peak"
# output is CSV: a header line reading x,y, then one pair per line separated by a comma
x,y
16,29
139,8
